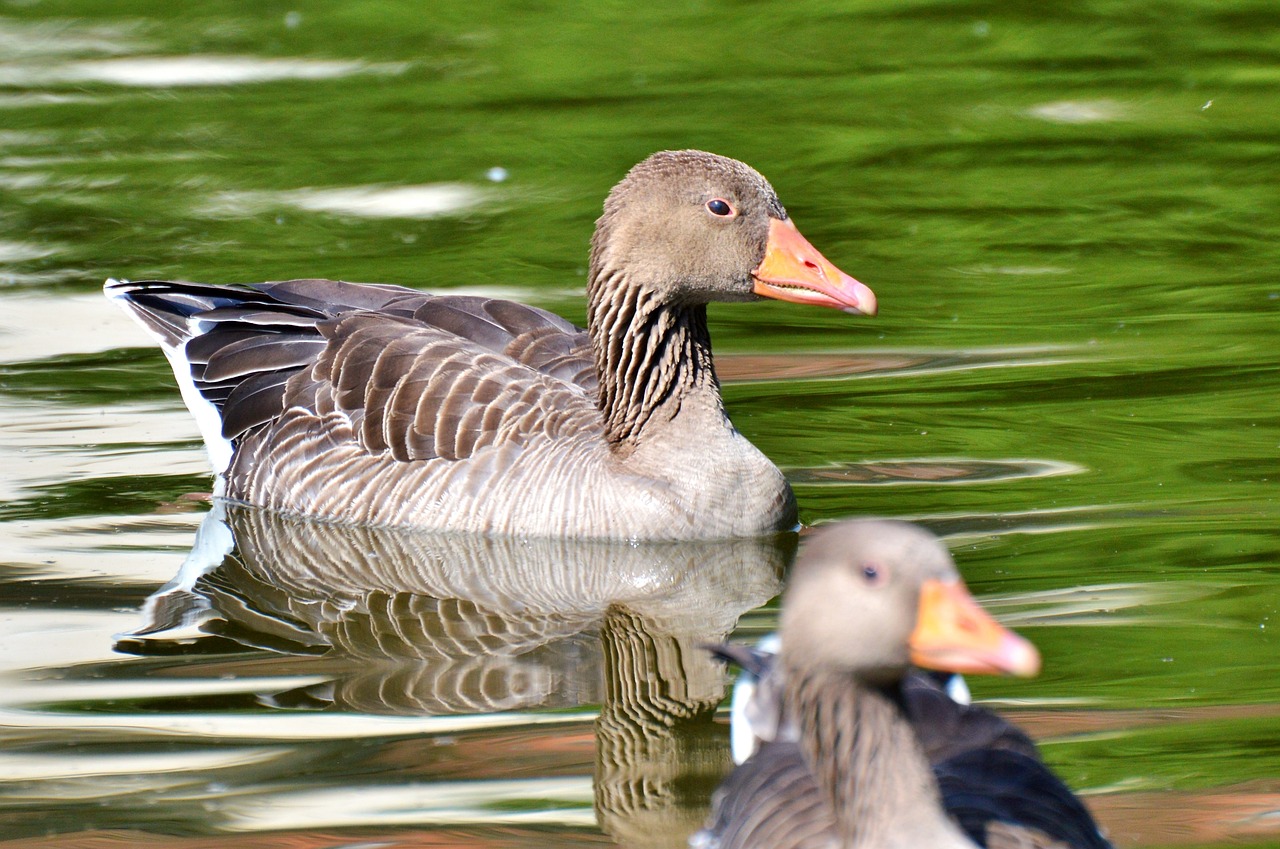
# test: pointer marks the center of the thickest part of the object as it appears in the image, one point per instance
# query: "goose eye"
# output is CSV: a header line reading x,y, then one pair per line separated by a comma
x,y
719,206
872,574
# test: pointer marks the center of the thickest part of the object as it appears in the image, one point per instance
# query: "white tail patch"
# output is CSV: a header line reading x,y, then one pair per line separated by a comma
x,y
207,417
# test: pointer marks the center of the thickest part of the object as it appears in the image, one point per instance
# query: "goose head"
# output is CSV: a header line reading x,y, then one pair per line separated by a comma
x,y
871,598
693,227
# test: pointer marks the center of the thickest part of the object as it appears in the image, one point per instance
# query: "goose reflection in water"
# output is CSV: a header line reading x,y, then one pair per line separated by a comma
x,y
412,623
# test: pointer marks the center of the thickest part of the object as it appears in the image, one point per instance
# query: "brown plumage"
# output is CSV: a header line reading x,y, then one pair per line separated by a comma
x,y
857,751
381,405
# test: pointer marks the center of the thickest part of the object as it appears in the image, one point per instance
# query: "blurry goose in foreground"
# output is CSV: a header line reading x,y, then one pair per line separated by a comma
x,y
856,750
385,406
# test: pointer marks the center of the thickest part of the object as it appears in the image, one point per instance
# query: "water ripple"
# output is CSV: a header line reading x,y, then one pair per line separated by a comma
x,y
186,71
562,800
960,470
754,368
1078,111
275,727
374,201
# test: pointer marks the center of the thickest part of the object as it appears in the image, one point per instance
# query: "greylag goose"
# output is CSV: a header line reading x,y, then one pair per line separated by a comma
x,y
380,405
856,750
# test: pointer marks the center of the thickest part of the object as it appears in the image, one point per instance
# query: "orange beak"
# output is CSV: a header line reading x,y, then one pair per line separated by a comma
x,y
793,270
954,634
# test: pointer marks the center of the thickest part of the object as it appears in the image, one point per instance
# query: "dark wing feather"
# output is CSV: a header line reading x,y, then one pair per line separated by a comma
x,y
519,319
467,318
992,779
334,297
258,353
544,341
202,348
422,391
164,306
563,356
1004,798
751,660
254,401
946,728
275,316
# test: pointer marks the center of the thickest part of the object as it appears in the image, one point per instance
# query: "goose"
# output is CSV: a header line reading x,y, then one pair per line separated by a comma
x,y
381,405
858,751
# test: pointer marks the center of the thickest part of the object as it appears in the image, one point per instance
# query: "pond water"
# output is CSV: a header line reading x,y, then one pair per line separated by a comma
x,y
1070,217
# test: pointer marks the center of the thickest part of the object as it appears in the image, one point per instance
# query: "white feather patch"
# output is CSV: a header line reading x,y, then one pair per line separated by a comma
x,y
205,413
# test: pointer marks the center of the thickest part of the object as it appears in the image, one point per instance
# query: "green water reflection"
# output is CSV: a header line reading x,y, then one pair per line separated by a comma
x,y
1070,216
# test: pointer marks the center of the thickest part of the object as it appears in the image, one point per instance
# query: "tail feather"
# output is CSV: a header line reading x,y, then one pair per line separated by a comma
x,y
165,308
204,330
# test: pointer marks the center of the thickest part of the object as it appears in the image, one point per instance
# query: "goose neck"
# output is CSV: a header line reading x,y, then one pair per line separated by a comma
x,y
653,358
865,755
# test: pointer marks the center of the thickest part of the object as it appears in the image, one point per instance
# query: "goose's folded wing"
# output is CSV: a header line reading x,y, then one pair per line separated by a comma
x,y
992,779
418,375
420,391
946,728
1007,800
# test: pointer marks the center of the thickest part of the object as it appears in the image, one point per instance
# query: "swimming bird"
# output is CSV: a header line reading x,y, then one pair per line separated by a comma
x,y
856,750
381,405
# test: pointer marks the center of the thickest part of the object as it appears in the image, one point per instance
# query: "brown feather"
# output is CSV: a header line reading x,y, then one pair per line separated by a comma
x,y
255,400
270,352
464,317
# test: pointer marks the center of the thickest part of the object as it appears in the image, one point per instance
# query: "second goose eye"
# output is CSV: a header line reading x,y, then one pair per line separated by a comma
x,y
719,206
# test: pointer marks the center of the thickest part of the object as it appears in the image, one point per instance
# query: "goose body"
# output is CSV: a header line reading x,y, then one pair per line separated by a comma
x,y
381,405
857,751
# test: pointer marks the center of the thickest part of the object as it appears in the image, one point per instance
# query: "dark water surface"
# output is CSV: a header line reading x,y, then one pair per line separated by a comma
x,y
1069,213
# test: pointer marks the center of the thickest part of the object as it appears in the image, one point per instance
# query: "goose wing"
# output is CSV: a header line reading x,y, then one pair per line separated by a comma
x,y
419,376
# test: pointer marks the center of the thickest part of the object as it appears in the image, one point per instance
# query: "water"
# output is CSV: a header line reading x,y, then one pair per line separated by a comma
x,y
1069,218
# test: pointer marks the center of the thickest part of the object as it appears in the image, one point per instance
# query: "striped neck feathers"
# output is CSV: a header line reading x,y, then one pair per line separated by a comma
x,y
652,356
866,757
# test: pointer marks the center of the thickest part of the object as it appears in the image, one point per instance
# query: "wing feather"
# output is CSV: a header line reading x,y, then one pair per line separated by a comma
x,y
261,352
254,401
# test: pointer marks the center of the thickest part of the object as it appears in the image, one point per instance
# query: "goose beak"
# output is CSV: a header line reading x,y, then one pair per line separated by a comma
x,y
793,270
954,634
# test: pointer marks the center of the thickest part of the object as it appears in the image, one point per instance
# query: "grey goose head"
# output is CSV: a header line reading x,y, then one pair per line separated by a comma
x,y
871,598
694,227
